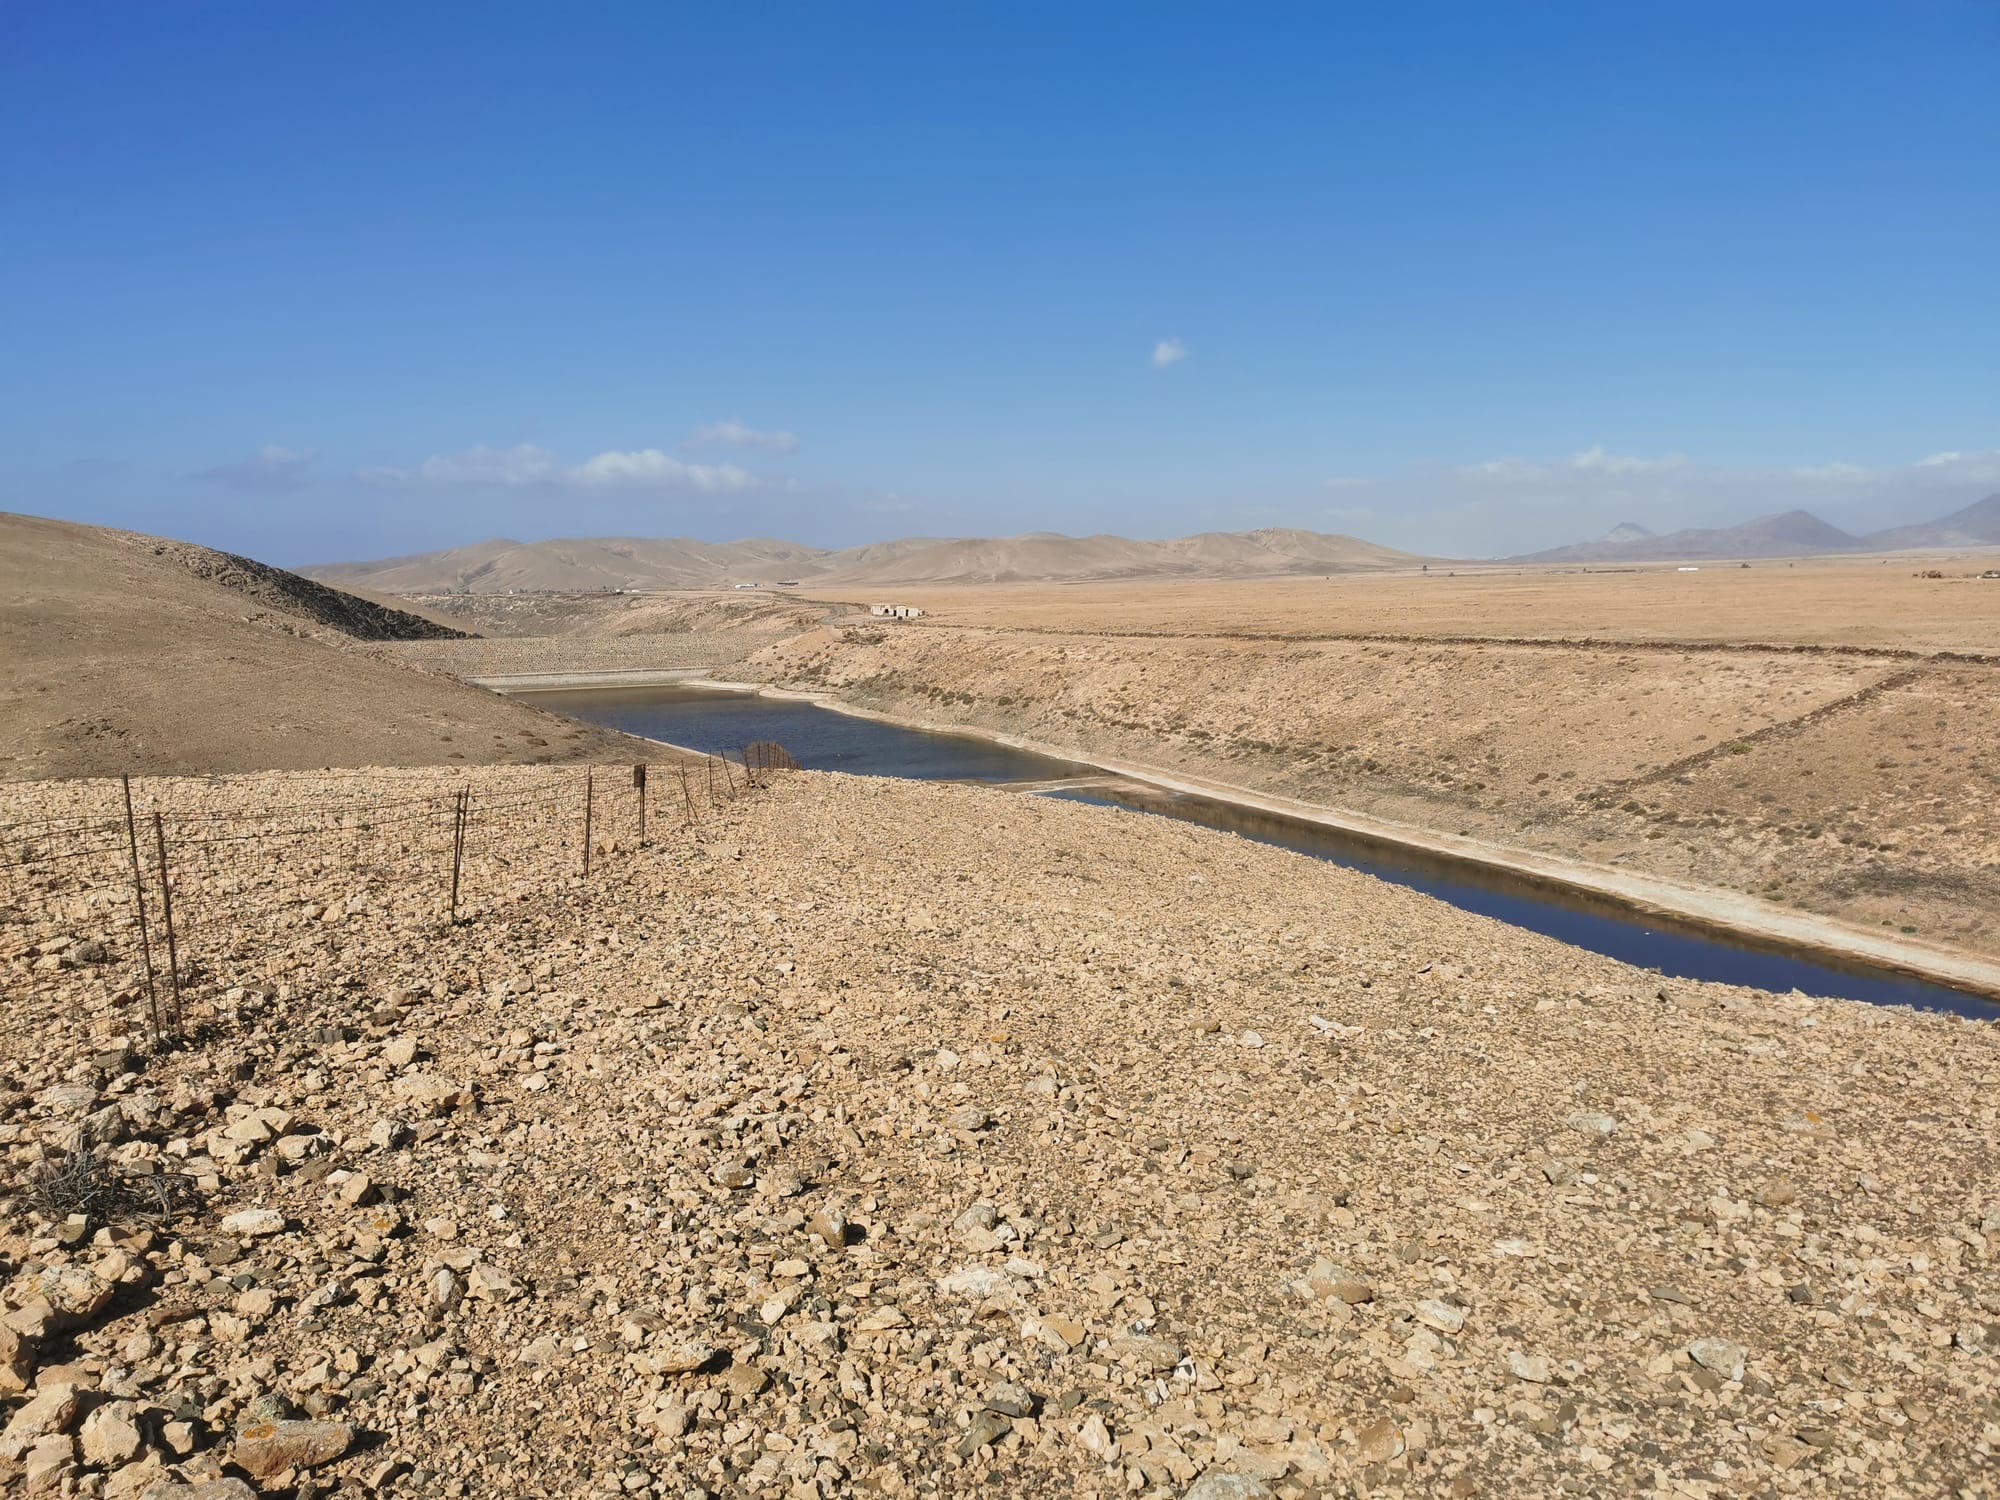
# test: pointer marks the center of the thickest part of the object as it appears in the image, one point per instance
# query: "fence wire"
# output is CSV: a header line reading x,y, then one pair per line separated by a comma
x,y
141,906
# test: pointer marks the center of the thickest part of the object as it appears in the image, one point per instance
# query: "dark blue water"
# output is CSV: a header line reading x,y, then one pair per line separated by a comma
x,y
1575,917
822,740
722,723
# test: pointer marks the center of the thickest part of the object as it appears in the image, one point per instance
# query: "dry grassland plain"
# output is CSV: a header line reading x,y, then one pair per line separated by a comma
x,y
1820,735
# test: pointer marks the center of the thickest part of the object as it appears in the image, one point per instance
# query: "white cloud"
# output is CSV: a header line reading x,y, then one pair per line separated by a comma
x,y
1971,466
1168,352
1506,470
513,468
649,468
735,434
1596,460
527,466
1833,473
1591,461
270,469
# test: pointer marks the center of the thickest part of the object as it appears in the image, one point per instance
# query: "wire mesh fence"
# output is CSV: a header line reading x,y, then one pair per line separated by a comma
x,y
149,894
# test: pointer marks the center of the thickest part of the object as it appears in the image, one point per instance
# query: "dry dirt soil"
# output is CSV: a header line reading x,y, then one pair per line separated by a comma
x,y
1820,736
895,1139
119,657
1861,602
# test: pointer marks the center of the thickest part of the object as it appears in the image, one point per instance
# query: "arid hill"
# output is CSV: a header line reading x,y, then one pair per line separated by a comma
x,y
575,565
132,653
274,588
680,562
1978,525
1796,533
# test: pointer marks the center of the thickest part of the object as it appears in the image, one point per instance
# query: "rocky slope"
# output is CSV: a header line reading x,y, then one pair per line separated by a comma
x,y
290,593
883,1138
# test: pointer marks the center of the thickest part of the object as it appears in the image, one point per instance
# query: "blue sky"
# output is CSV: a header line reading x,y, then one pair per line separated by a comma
x,y
336,281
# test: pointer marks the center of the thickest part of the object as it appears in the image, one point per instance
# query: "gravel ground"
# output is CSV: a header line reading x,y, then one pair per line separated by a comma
x,y
902,1139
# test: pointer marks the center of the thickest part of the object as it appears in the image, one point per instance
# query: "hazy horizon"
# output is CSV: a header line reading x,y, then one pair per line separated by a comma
x,y
1459,280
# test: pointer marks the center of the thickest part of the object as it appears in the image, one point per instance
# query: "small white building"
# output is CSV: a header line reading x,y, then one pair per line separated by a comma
x,y
894,611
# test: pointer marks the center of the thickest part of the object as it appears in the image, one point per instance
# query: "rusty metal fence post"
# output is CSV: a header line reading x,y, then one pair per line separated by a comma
x,y
589,794
639,784
139,900
457,846
167,916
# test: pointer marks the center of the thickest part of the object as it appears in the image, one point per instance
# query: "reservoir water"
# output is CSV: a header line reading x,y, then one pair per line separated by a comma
x,y
721,722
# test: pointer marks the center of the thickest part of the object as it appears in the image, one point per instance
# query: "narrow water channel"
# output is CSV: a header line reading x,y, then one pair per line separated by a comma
x,y
722,722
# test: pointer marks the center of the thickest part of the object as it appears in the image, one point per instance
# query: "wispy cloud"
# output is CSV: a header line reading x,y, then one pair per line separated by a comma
x,y
649,468
1596,460
1833,473
1506,470
511,467
272,469
526,466
734,434
1977,467
1168,352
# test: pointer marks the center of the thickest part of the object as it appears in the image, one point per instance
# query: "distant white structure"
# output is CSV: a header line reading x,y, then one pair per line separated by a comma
x,y
1687,570
894,611
746,585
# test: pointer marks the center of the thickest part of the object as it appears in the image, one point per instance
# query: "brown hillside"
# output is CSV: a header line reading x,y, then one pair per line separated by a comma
x,y
351,614
118,657
599,563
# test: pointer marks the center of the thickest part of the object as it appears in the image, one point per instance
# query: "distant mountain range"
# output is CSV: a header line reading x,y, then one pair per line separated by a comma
x,y
588,563
575,565
1795,533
